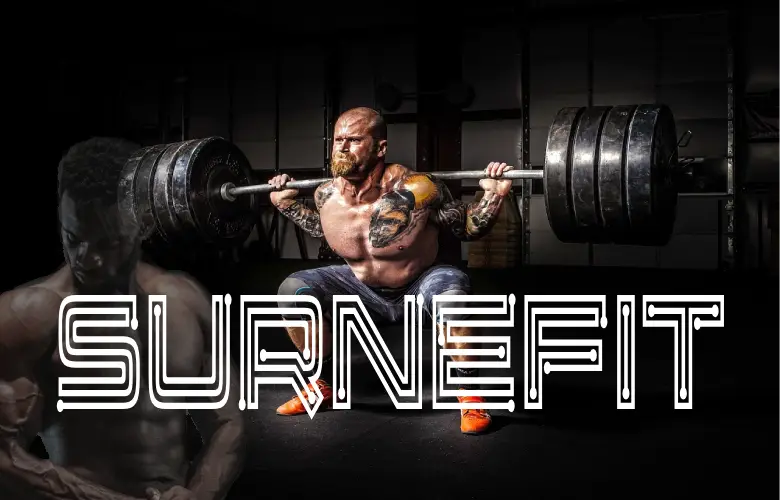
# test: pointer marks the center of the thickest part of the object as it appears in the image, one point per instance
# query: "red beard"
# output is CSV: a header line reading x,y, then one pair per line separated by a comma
x,y
343,164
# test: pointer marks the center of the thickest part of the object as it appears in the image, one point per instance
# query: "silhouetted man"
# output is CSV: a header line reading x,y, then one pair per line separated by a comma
x,y
137,453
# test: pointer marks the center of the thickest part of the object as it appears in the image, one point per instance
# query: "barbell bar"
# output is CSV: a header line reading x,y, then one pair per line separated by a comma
x,y
229,191
608,177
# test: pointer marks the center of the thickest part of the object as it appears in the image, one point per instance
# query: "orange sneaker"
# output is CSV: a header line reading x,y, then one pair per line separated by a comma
x,y
474,421
295,405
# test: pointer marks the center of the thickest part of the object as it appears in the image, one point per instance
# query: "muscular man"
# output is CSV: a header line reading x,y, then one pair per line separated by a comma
x,y
384,220
137,453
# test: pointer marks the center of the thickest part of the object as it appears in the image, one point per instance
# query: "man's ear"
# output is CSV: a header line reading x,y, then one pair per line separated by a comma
x,y
381,148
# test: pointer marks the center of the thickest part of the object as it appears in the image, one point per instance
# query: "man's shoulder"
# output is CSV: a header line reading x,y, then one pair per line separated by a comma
x,y
178,287
29,313
397,171
158,281
426,190
324,192
39,296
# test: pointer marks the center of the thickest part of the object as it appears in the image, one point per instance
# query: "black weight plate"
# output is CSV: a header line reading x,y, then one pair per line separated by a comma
x,y
164,210
200,170
135,187
612,175
664,165
126,188
584,174
650,194
557,174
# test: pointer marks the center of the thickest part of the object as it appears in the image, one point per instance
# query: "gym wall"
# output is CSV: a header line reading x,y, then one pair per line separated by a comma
x,y
278,118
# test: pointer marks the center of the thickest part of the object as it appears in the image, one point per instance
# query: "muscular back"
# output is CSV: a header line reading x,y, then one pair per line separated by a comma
x,y
389,236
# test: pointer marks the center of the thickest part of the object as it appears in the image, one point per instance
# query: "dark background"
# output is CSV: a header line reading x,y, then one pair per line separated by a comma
x,y
272,79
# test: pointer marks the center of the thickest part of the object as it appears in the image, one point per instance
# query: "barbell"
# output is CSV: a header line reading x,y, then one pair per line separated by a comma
x,y
608,177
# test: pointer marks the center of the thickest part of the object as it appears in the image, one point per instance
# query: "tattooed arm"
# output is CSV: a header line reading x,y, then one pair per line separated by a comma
x,y
304,217
472,221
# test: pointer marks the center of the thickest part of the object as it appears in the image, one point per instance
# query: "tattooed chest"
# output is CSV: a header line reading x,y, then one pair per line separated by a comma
x,y
395,221
389,224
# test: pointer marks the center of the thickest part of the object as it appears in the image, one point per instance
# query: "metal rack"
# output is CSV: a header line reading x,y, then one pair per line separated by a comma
x,y
527,185
726,200
331,107
274,232
730,203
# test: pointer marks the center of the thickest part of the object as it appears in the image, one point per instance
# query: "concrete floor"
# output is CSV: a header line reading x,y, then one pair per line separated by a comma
x,y
578,446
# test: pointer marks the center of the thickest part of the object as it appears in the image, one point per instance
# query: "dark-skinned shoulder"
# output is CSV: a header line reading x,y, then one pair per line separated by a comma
x,y
180,289
29,315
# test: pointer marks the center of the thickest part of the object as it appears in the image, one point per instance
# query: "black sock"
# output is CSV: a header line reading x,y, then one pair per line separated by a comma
x,y
467,372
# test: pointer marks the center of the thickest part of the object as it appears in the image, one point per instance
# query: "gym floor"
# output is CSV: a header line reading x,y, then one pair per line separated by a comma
x,y
579,445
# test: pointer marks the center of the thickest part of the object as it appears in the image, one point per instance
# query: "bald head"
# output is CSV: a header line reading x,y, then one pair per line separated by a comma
x,y
366,118
359,143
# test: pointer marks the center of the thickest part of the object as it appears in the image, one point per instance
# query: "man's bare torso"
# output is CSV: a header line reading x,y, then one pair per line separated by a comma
x,y
124,450
389,236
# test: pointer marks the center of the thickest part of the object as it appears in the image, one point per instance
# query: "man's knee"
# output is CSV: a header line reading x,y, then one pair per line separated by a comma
x,y
442,302
443,282
293,285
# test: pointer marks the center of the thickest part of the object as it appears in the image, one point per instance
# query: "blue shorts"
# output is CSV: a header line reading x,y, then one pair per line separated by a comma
x,y
386,306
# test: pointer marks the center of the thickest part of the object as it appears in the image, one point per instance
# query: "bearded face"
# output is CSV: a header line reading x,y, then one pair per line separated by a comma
x,y
344,163
355,161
